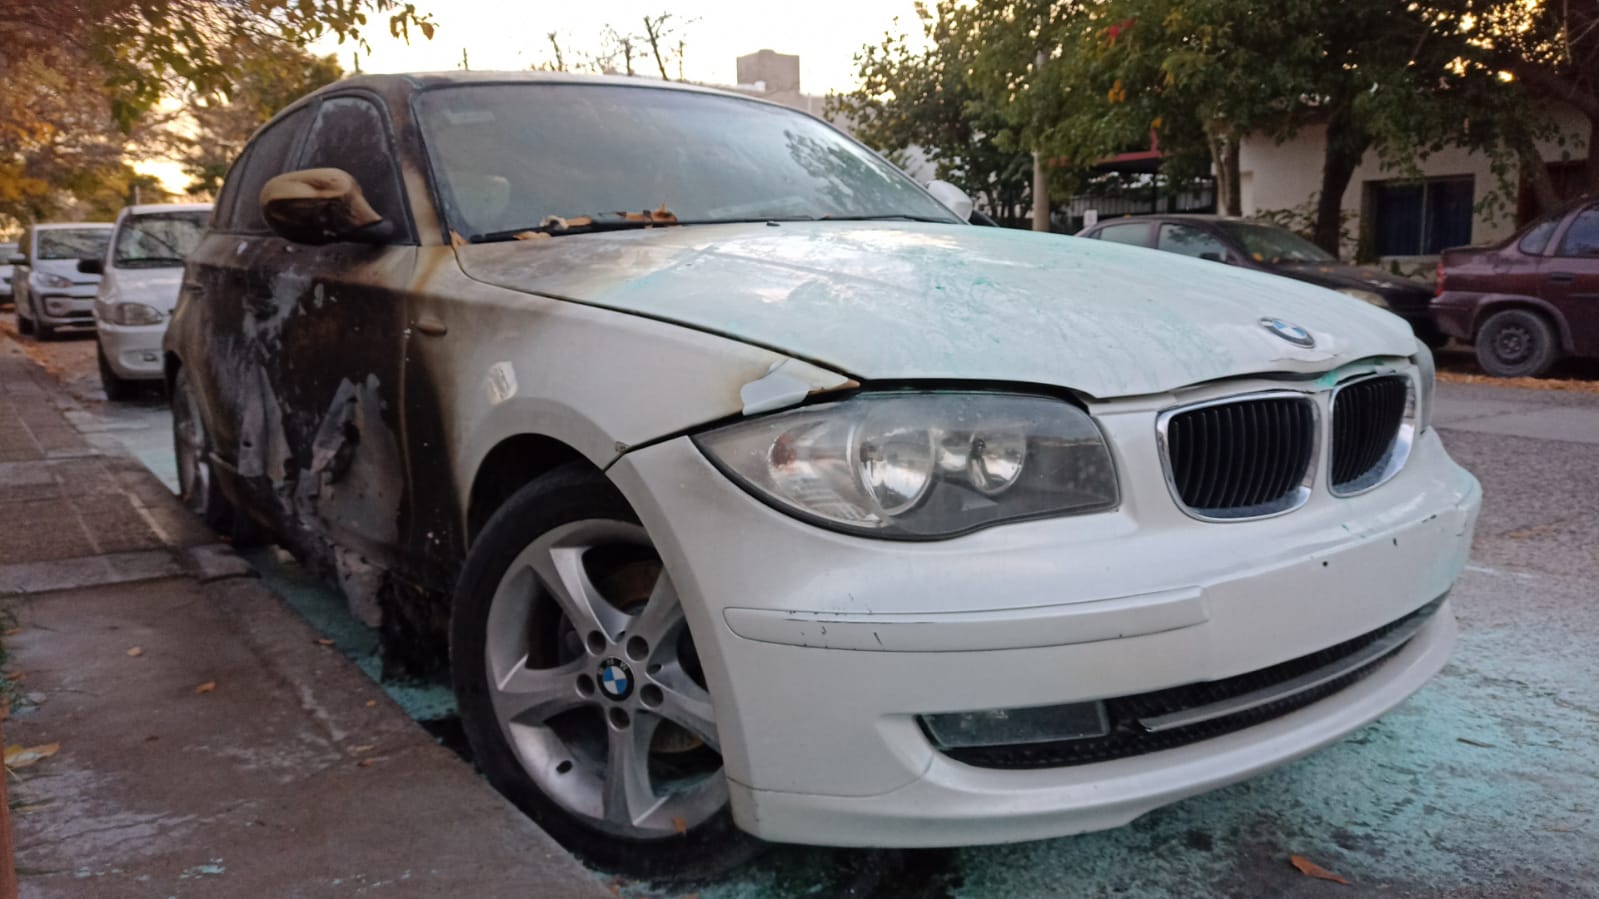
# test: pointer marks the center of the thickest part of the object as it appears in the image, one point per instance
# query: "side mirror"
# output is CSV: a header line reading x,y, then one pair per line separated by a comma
x,y
320,206
91,266
953,197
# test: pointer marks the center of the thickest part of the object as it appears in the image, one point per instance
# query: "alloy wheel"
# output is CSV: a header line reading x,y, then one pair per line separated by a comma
x,y
596,686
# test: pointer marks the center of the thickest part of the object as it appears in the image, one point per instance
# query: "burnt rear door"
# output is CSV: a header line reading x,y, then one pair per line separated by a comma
x,y
335,317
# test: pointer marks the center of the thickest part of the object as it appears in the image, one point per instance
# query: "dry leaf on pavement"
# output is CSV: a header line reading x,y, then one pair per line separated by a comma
x,y
1311,869
135,652
12,632
22,757
365,763
206,687
324,641
679,825
17,676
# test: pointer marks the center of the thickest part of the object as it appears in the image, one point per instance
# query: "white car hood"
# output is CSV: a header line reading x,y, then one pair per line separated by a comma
x,y
157,287
892,300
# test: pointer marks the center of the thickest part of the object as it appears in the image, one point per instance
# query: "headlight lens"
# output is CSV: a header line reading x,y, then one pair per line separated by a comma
x,y
921,465
130,314
46,279
1365,296
1427,375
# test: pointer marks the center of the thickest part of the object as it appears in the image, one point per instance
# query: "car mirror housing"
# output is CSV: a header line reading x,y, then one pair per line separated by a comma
x,y
91,266
952,197
321,206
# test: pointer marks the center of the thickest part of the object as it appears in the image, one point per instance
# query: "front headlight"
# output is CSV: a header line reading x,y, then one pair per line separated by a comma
x,y
46,279
1427,376
921,465
1365,296
131,314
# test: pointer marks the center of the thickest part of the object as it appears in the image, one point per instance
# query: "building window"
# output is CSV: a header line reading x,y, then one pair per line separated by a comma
x,y
1420,218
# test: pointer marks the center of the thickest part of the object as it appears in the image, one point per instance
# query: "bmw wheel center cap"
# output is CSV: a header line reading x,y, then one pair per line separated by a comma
x,y
616,681
1289,331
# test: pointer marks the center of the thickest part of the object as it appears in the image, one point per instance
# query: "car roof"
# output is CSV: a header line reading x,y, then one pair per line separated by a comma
x,y
386,84
157,208
56,226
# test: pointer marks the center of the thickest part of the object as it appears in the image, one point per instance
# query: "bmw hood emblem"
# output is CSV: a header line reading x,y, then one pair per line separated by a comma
x,y
1289,331
616,681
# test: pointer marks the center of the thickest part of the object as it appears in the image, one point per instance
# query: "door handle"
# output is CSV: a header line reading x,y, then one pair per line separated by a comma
x,y
1561,277
431,326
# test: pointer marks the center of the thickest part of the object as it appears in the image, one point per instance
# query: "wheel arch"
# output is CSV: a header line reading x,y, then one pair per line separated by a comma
x,y
1491,305
511,464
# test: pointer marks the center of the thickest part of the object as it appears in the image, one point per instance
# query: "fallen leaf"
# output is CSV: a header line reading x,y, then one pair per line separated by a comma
x,y
151,739
358,750
1311,869
456,240
135,652
371,703
324,642
12,632
206,687
20,757
679,825
365,763
17,676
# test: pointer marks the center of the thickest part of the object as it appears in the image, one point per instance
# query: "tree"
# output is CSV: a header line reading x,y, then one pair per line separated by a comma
x,y
924,99
268,75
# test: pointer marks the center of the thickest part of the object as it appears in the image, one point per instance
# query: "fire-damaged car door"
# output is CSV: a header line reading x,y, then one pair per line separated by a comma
x,y
332,320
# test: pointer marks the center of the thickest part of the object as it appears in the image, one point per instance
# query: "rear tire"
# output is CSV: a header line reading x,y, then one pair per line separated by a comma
x,y
192,448
570,657
1517,343
117,388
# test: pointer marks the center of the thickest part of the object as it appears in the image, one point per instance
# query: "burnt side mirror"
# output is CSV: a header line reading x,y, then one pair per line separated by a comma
x,y
91,266
321,206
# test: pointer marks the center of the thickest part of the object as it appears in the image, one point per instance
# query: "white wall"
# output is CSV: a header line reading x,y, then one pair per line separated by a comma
x,y
1287,175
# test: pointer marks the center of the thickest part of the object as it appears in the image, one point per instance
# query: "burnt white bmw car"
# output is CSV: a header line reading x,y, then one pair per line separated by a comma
x,y
750,494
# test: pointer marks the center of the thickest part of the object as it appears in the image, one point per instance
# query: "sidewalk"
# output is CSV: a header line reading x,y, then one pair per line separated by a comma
x,y
209,744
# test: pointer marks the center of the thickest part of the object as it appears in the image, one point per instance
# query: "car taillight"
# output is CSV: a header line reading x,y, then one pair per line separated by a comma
x,y
1438,291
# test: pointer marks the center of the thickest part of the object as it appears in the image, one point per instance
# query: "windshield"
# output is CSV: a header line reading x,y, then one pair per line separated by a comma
x,y
1265,243
72,243
159,240
511,156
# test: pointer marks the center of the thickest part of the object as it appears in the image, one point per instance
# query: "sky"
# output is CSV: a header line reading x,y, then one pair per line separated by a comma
x,y
504,34
500,34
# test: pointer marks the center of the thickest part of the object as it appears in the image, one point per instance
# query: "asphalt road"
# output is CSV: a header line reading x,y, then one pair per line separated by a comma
x,y
1486,783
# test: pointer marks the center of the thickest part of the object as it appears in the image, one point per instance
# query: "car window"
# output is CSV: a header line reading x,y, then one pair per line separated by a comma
x,y
72,243
1269,243
350,134
158,240
1537,237
1190,241
1136,233
509,156
1582,237
268,157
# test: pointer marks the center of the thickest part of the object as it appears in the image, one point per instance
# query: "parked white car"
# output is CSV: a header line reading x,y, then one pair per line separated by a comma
x,y
786,504
139,279
48,290
8,256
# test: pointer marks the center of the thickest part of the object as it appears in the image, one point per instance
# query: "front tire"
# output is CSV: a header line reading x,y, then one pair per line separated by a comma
x,y
1517,343
579,687
117,388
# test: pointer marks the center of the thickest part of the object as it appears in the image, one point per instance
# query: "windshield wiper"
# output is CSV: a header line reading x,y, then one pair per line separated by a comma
x,y
885,217
555,226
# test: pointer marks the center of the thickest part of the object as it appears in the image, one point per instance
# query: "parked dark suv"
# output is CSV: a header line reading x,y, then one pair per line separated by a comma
x,y
1530,300
1269,248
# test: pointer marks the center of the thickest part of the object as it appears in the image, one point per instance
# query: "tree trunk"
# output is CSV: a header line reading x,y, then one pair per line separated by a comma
x,y
1346,144
1536,174
1590,169
1224,144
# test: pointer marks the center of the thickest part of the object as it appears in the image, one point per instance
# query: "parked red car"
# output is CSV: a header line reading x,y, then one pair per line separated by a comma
x,y
1530,300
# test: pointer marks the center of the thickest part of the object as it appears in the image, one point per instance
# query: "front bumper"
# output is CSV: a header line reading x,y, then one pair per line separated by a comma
x,y
63,307
821,649
134,353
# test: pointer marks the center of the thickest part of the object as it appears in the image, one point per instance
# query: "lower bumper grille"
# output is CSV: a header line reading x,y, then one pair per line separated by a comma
x,y
1178,716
